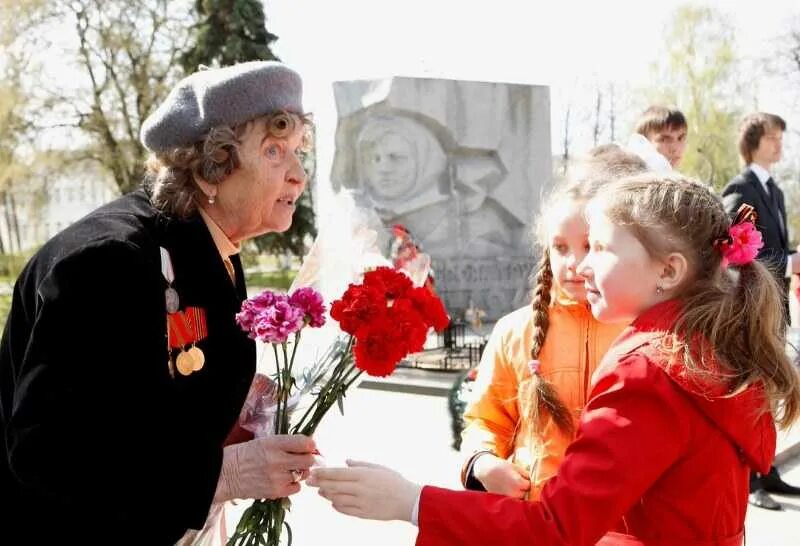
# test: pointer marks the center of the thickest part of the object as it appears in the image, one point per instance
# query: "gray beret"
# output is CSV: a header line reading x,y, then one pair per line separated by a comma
x,y
221,96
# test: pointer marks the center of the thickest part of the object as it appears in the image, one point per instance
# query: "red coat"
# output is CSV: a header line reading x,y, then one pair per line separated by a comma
x,y
658,460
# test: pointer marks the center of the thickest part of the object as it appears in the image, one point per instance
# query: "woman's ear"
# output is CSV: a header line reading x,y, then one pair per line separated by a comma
x,y
209,190
674,272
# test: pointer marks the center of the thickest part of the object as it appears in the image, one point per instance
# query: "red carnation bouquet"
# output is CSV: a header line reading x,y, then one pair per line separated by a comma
x,y
385,317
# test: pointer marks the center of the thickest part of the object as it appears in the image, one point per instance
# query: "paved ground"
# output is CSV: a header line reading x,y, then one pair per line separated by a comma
x,y
411,433
768,528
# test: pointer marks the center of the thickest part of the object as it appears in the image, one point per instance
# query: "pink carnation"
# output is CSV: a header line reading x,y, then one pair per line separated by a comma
x,y
252,307
310,302
276,323
270,317
745,243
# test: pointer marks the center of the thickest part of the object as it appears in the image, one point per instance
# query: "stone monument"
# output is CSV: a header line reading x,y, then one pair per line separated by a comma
x,y
462,166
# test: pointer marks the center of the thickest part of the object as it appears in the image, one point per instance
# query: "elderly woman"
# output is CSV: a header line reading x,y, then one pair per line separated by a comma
x,y
122,371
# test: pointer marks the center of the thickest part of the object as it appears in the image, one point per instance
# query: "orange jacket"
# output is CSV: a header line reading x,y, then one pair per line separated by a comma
x,y
574,345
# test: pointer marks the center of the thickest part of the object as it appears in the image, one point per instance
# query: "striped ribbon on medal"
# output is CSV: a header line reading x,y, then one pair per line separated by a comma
x,y
180,332
197,319
186,327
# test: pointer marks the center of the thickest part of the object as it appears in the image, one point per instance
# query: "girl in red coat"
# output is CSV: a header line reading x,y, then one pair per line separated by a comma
x,y
682,406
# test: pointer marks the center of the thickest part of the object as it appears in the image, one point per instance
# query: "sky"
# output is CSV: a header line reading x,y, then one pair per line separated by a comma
x,y
559,43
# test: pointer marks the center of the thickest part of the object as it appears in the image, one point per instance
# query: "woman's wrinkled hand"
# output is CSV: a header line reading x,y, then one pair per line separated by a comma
x,y
500,476
265,468
367,490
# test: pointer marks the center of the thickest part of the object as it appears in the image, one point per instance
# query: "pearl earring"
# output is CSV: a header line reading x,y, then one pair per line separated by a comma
x,y
659,290
211,199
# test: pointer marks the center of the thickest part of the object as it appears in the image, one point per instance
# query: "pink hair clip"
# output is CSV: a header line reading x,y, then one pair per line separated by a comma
x,y
743,242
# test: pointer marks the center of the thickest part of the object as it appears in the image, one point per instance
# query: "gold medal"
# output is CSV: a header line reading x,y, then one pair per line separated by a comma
x,y
198,358
185,363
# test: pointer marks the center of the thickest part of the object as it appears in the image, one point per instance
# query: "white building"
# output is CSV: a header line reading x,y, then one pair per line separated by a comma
x,y
32,214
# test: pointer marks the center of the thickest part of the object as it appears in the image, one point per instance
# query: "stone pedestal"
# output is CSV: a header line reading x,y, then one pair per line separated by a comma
x,y
461,165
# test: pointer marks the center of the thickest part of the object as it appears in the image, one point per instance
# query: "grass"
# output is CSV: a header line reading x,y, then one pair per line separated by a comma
x,y
5,305
279,280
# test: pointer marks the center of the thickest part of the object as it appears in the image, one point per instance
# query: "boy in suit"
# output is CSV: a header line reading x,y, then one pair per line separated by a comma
x,y
760,143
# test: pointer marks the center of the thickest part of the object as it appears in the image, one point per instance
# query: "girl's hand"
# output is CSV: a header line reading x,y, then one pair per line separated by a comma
x,y
366,491
500,476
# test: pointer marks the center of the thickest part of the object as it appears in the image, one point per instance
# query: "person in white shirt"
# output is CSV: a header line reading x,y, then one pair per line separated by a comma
x,y
760,146
660,138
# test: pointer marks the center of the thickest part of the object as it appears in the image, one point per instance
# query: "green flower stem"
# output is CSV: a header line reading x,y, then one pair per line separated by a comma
x,y
294,349
351,381
319,406
287,387
262,524
335,388
278,418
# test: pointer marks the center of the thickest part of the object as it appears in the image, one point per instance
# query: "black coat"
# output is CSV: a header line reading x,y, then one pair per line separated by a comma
x,y
747,188
100,444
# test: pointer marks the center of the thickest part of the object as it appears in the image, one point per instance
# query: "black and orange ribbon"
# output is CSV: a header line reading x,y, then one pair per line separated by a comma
x,y
746,213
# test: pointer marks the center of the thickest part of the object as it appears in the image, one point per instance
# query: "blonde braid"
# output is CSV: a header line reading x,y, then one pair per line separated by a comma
x,y
541,392
541,303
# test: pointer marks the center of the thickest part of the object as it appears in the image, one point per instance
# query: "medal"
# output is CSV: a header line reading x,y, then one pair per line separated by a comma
x,y
198,358
172,300
198,321
183,327
185,363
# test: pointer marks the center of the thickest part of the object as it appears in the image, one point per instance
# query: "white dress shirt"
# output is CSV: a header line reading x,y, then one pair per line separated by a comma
x,y
763,176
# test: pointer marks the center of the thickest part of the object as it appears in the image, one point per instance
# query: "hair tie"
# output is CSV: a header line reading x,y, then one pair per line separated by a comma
x,y
741,245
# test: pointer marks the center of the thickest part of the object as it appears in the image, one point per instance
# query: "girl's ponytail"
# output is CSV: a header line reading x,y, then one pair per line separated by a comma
x,y
732,303
763,324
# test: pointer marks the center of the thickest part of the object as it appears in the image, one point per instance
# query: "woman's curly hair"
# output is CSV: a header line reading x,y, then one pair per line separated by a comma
x,y
170,176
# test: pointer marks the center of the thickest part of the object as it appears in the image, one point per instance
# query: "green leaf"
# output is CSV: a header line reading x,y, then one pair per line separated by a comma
x,y
340,402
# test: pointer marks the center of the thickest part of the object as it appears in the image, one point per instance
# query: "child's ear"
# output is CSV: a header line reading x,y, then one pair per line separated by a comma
x,y
676,269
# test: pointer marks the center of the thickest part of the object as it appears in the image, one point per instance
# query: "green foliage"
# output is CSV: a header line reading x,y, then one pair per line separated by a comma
x,y
11,265
700,75
229,31
124,55
5,307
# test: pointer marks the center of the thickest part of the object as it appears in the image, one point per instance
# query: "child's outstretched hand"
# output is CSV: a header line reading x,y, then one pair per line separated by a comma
x,y
366,490
500,476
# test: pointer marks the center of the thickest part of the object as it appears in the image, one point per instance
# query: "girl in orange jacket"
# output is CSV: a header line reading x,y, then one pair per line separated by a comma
x,y
533,378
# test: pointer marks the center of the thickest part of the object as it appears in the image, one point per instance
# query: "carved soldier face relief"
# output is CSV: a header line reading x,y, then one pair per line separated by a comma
x,y
389,165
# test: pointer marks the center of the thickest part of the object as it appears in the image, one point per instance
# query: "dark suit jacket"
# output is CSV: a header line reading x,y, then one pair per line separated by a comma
x,y
746,188
99,444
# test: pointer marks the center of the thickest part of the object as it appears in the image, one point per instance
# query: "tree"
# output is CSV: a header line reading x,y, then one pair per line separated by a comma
x,y
12,166
699,75
125,55
229,31
17,159
232,31
793,49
